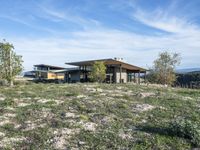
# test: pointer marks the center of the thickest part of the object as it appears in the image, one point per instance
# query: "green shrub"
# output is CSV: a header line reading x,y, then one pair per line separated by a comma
x,y
186,129
22,82
3,82
84,117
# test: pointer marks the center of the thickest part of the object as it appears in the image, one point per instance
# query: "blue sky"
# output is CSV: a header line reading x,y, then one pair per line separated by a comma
x,y
58,31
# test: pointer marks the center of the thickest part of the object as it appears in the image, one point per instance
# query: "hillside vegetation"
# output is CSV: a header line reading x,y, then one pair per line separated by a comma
x,y
98,116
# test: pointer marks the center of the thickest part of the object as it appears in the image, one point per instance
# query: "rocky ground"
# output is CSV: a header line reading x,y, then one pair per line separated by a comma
x,y
95,116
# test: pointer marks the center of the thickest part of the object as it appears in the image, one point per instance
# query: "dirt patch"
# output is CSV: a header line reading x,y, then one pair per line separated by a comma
x,y
143,107
22,104
10,141
44,100
61,136
10,108
30,125
81,96
146,94
2,134
2,98
4,121
125,136
71,115
89,126
9,115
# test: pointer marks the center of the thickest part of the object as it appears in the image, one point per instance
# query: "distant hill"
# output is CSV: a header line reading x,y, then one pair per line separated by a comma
x,y
187,70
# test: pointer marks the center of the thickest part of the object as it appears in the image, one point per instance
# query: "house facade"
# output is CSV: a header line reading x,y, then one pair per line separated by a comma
x,y
49,73
117,71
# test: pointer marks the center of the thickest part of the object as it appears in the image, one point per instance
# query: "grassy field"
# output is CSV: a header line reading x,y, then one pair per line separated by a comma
x,y
98,116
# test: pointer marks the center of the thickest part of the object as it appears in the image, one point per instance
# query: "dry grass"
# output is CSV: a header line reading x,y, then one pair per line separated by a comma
x,y
94,116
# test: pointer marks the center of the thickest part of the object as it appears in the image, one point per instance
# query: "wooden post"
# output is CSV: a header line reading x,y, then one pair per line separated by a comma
x,y
145,73
134,78
84,73
139,77
120,74
110,78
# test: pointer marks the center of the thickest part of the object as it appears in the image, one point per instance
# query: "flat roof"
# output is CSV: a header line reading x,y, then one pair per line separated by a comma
x,y
44,65
109,61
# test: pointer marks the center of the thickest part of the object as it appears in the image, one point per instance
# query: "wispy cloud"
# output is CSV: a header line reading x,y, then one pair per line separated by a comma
x,y
95,40
161,20
53,14
107,43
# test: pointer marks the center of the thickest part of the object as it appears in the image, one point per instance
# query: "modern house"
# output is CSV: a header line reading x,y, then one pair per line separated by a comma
x,y
49,73
117,71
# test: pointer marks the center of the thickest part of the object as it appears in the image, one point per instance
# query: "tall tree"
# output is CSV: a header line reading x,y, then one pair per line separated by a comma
x,y
98,72
10,62
163,70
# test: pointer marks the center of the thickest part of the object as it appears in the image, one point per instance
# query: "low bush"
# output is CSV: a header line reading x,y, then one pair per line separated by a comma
x,y
22,82
3,82
187,129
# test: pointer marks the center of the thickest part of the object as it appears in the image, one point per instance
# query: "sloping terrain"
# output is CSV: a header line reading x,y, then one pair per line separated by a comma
x,y
98,116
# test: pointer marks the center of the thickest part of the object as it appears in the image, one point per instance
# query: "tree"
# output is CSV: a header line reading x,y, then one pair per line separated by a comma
x,y
163,71
10,62
98,72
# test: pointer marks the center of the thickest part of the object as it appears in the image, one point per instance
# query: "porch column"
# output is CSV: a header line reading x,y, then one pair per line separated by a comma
x,y
134,77
120,75
139,77
84,73
145,74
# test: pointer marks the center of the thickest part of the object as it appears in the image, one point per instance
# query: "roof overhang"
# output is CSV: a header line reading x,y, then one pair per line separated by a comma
x,y
109,62
44,65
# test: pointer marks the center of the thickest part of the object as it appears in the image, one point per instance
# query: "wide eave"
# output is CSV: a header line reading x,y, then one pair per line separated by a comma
x,y
109,62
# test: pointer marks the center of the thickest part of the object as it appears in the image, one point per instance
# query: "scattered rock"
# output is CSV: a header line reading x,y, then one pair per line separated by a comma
x,y
81,96
146,94
144,121
9,115
59,143
4,121
10,141
143,107
9,108
81,142
2,134
44,100
99,90
119,87
90,126
106,120
71,115
125,136
23,104
92,90
61,136
31,126
163,108
2,98
187,98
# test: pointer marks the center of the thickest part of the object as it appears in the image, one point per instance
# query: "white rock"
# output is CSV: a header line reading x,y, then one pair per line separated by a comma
x,y
143,107
2,98
99,90
9,115
2,134
90,126
5,121
23,104
81,96
71,115
146,94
